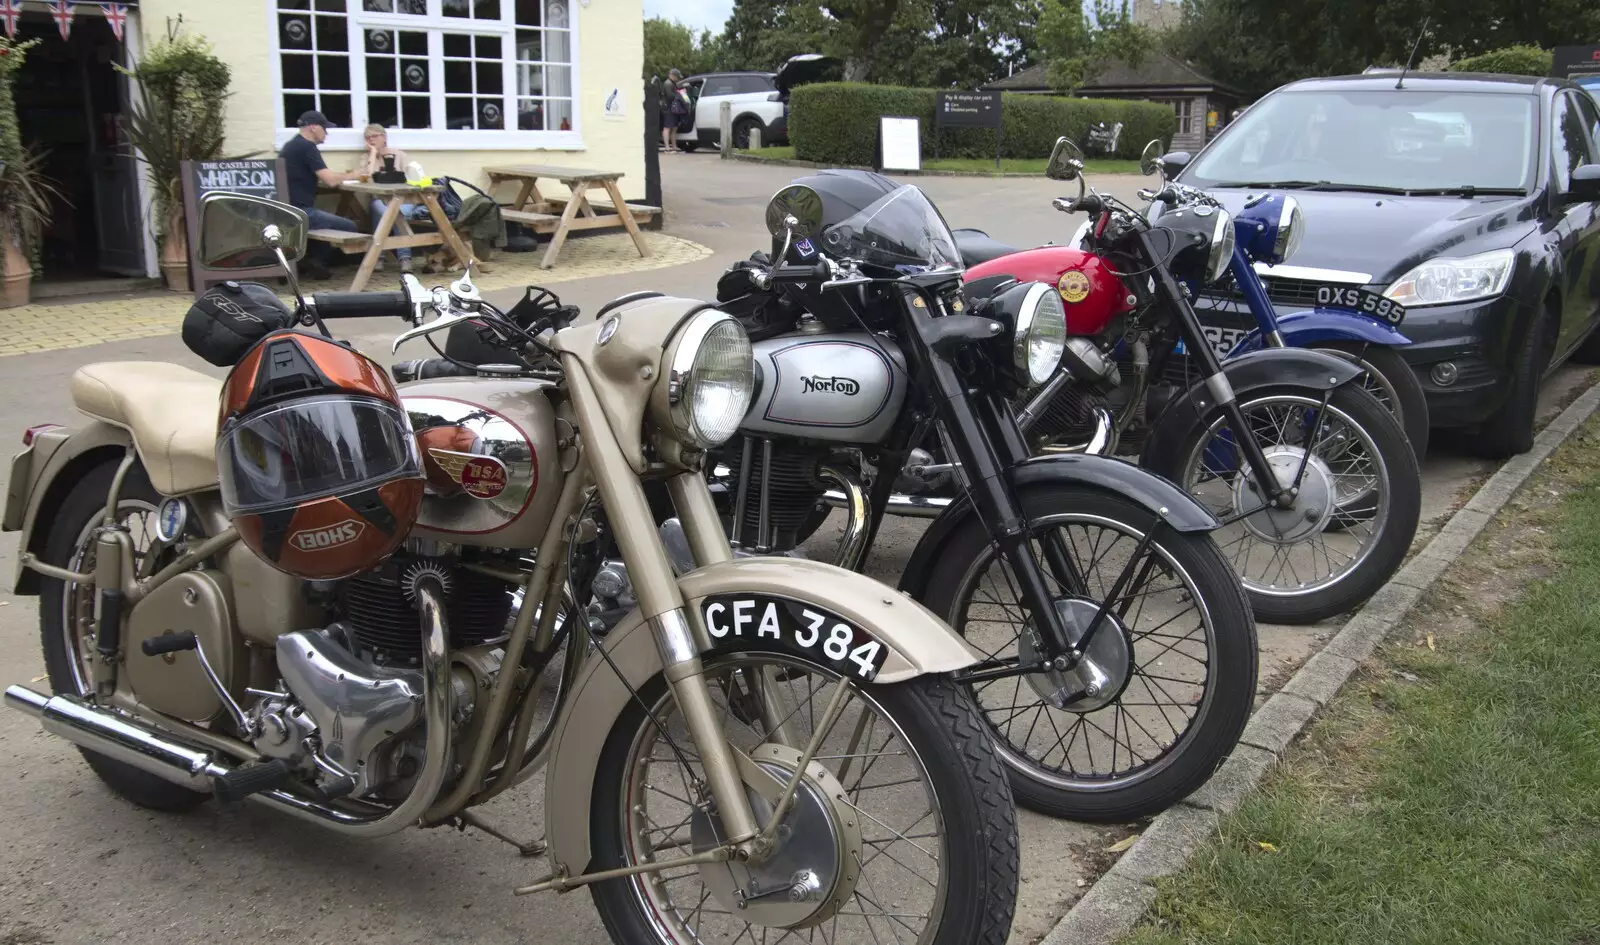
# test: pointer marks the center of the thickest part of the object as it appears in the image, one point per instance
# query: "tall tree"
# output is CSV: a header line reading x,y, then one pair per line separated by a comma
x,y
671,45
1077,43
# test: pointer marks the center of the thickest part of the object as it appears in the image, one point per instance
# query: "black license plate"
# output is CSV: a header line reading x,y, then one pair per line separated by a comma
x,y
756,621
1364,301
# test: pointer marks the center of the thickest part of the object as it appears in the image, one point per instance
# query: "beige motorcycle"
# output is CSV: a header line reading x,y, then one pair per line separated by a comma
x,y
762,747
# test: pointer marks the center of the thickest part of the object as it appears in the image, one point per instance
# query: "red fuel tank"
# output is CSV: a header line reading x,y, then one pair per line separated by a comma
x,y
1090,292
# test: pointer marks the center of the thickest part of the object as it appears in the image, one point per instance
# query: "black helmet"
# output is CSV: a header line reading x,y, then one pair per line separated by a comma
x,y
821,200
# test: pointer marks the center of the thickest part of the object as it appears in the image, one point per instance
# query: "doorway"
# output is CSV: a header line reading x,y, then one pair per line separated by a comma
x,y
70,102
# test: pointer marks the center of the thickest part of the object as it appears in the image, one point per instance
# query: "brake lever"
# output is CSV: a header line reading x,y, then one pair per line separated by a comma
x,y
443,321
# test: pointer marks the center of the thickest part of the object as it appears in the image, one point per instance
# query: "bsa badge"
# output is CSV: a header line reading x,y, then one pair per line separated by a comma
x,y
1074,286
482,477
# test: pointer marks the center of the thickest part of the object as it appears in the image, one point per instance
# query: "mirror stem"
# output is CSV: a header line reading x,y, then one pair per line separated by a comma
x,y
294,286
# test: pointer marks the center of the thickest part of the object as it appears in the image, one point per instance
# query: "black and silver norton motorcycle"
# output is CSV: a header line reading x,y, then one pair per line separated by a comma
x,y
1119,652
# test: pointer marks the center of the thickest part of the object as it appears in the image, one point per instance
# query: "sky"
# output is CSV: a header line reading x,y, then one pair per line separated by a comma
x,y
696,14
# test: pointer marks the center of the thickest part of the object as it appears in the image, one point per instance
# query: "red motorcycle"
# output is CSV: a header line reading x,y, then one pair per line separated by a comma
x,y
1312,477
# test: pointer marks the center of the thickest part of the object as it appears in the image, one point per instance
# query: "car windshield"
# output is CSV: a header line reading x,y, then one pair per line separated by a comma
x,y
901,230
1384,140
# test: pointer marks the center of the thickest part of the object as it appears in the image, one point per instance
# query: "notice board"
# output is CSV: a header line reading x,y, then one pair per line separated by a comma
x,y
257,177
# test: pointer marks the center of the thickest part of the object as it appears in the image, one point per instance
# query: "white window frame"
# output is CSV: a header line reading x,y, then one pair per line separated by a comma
x,y
438,138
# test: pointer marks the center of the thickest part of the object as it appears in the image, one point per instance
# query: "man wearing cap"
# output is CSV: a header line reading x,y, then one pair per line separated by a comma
x,y
303,163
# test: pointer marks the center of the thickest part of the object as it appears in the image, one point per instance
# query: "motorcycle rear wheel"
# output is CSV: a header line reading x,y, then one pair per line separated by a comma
x,y
1188,611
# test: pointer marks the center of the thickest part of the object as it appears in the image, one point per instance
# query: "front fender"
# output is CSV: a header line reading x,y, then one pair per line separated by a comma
x,y
1177,508
1304,329
1269,367
918,643
58,458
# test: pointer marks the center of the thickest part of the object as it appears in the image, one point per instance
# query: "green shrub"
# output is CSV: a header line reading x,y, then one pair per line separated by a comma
x,y
1513,60
837,123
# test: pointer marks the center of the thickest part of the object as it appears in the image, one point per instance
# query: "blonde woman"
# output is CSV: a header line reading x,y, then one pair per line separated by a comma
x,y
378,149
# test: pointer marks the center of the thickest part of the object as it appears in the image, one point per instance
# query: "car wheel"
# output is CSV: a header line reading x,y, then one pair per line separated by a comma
x,y
1509,430
741,132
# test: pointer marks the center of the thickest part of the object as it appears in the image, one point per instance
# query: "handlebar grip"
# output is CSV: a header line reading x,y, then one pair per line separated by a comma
x,y
813,273
361,304
169,643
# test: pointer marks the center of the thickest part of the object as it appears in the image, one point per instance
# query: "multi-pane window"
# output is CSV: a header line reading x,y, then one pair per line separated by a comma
x,y
428,65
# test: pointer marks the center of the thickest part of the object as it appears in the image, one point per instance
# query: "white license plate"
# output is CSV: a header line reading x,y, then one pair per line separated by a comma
x,y
1222,339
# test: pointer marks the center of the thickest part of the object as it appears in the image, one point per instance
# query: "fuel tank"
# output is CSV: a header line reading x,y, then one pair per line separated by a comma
x,y
845,387
489,453
1091,292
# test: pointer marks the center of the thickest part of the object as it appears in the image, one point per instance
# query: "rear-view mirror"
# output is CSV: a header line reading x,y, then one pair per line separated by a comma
x,y
240,231
1066,161
1150,160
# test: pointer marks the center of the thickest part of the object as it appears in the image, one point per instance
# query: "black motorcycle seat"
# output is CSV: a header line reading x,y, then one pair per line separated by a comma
x,y
977,246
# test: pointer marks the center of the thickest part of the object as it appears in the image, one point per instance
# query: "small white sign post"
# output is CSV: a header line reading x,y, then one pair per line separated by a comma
x,y
900,143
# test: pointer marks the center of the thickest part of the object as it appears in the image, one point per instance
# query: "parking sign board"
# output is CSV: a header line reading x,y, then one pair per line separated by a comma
x,y
967,110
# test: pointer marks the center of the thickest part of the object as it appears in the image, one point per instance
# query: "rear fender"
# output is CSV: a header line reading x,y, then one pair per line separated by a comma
x,y
59,459
1304,329
1177,508
918,643
1316,371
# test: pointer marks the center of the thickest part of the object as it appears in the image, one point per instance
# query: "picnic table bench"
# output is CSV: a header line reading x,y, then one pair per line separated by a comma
x,y
560,215
375,244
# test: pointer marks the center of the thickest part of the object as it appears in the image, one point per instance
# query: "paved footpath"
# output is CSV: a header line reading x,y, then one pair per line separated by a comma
x,y
78,865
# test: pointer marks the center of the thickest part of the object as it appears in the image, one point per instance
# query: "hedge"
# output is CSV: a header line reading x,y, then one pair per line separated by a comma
x,y
1513,60
837,123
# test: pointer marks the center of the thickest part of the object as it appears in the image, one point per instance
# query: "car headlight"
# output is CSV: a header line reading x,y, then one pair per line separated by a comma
x,y
1441,281
1040,336
712,379
1221,247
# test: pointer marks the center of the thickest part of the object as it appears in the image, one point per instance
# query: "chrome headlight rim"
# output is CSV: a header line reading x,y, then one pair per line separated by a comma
x,y
680,379
1505,260
1220,253
1291,228
1039,295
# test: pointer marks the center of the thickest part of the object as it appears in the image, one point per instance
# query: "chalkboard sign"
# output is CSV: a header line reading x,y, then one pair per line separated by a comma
x,y
240,177
967,110
260,178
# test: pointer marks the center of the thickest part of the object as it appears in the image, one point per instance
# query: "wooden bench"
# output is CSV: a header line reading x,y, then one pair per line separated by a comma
x,y
345,240
559,215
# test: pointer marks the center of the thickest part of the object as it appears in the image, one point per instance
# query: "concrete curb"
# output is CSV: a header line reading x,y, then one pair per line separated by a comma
x,y
862,167
1120,898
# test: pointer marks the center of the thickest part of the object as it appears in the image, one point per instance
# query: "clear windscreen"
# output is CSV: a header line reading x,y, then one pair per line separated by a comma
x,y
902,230
311,448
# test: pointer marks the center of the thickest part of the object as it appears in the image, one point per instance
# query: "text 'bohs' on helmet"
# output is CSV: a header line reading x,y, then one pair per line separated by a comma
x,y
316,456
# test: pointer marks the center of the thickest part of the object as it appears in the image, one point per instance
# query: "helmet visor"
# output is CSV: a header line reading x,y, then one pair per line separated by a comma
x,y
310,448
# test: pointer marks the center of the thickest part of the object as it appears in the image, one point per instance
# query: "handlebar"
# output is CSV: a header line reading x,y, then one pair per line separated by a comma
x,y
361,304
816,272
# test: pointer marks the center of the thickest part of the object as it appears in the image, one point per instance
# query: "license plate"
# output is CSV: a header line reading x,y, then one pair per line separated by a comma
x,y
1365,301
1222,340
760,622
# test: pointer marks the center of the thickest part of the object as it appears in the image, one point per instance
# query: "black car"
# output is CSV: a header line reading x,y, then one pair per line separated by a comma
x,y
1470,198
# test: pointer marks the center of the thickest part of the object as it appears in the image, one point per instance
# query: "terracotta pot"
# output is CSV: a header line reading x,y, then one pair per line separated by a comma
x,y
175,259
18,279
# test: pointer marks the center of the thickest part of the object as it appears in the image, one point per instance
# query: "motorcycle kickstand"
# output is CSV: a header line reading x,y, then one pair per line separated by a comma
x,y
467,819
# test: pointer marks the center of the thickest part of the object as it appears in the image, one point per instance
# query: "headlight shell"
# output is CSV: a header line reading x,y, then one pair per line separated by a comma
x,y
710,379
1040,337
1443,280
1221,252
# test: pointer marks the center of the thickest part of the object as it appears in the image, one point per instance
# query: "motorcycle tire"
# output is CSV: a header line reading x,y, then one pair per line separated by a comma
x,y
1228,688
939,726
1400,383
71,528
1390,539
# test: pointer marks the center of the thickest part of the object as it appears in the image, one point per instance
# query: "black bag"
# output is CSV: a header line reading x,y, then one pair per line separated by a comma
x,y
388,174
231,317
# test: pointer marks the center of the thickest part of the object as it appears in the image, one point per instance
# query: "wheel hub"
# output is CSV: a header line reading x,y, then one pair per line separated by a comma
x,y
1099,676
817,860
1311,509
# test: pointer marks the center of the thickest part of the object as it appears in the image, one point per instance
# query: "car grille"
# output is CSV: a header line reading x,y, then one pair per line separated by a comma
x,y
1280,290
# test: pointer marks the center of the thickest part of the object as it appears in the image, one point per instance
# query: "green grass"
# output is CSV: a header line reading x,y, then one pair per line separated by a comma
x,y
979,165
1453,794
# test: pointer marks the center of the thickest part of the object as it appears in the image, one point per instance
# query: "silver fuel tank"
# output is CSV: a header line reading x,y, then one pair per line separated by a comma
x,y
838,386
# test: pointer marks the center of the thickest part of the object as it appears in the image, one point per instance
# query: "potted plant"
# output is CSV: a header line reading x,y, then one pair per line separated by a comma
x,y
177,117
25,193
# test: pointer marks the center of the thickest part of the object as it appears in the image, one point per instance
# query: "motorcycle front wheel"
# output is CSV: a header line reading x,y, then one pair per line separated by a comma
x,y
1327,553
903,828
1177,651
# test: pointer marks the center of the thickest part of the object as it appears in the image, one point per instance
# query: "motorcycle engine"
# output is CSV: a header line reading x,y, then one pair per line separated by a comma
x,y
794,495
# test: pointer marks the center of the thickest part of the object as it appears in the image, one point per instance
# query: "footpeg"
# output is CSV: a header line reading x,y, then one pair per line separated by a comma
x,y
246,780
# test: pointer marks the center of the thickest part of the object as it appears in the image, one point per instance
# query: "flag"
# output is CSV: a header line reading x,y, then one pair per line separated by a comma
x,y
62,11
117,16
10,10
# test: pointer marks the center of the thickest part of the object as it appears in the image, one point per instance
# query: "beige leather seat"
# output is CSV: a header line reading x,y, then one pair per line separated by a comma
x,y
170,410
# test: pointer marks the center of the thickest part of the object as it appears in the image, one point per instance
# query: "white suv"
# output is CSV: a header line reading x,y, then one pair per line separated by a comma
x,y
760,101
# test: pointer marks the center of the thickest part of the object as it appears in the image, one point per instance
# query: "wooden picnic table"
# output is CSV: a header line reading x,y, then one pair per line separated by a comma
x,y
561,214
398,195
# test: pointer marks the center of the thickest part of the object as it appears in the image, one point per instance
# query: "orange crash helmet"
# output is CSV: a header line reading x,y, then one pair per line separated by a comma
x,y
316,457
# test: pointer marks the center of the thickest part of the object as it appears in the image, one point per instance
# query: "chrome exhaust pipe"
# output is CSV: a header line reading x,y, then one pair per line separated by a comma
x,y
853,546
1102,442
910,506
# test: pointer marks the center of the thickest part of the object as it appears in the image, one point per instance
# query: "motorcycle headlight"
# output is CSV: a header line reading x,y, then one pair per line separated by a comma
x,y
1221,252
1442,281
1269,228
1291,227
711,379
1040,336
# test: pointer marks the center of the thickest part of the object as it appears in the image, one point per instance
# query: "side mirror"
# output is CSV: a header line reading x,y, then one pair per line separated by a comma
x,y
1150,160
1174,162
1066,161
239,231
795,211
1585,184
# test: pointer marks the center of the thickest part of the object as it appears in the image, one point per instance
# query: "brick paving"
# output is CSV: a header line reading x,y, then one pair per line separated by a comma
x,y
49,326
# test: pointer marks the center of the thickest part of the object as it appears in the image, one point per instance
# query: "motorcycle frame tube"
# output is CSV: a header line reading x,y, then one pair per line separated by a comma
x,y
661,603
1255,296
697,511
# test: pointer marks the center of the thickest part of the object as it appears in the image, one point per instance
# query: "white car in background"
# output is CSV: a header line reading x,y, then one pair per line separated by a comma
x,y
759,100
